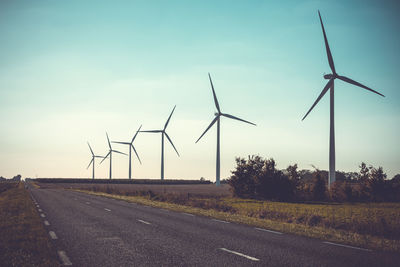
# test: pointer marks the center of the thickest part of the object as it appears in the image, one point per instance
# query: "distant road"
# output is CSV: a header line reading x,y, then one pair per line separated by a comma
x,y
89,230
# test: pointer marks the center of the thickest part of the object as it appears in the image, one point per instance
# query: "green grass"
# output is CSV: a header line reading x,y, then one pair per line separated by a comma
x,y
374,226
23,239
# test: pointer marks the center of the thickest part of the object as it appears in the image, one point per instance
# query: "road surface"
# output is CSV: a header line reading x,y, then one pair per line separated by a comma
x,y
90,230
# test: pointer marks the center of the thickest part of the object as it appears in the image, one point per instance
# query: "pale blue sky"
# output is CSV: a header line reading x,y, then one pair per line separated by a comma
x,y
71,70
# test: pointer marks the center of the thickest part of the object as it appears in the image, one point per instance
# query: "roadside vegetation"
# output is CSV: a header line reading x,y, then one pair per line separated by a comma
x,y
23,239
360,209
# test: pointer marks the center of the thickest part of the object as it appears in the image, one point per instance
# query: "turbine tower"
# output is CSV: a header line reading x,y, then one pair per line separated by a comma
x,y
92,161
218,115
130,144
330,86
110,154
163,133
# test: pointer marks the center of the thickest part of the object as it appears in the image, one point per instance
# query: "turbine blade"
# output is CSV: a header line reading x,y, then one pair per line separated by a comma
x,y
343,78
108,139
89,164
152,131
123,143
169,139
133,139
215,96
236,118
137,155
326,88
166,124
209,126
90,148
105,157
328,50
116,151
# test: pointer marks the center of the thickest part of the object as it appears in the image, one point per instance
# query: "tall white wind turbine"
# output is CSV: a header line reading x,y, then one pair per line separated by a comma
x,y
218,115
92,161
163,133
130,144
330,86
109,154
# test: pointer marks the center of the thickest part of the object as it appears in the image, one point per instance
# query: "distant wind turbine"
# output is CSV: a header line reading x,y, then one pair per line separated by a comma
x,y
110,154
330,85
163,132
218,114
92,161
130,144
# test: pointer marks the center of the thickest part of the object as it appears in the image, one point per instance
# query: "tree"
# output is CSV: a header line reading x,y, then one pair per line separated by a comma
x,y
377,184
242,181
318,187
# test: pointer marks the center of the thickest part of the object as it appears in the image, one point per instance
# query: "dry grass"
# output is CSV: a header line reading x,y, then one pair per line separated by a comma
x,y
375,225
23,239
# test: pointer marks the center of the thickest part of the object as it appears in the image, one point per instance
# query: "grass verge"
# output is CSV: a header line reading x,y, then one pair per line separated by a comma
x,y
237,214
24,241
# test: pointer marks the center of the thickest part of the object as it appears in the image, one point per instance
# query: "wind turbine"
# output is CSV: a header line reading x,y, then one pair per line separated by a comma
x,y
130,144
218,115
330,86
92,161
110,154
163,132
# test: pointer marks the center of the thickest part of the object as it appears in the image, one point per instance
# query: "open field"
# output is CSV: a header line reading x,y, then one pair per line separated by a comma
x,y
195,190
24,241
372,225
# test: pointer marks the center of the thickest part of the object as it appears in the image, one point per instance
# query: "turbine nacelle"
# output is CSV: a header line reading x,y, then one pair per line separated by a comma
x,y
329,76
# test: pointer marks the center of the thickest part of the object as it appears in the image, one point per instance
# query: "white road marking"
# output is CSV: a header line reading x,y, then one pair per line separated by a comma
x,y
38,206
88,203
188,214
42,215
346,246
107,209
240,254
269,231
144,222
64,258
220,221
40,210
52,235
46,223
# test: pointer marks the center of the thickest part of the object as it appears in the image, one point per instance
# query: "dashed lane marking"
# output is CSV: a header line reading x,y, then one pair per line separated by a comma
x,y
42,215
46,223
107,209
143,222
64,258
40,210
240,254
346,246
269,231
88,203
220,221
52,235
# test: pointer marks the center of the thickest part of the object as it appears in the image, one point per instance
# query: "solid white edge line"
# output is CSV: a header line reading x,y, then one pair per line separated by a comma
x,y
269,231
42,215
143,222
107,209
240,254
64,258
188,214
52,235
46,223
346,246
219,221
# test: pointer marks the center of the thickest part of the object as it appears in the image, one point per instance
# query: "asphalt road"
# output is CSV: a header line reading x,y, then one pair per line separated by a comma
x,y
89,230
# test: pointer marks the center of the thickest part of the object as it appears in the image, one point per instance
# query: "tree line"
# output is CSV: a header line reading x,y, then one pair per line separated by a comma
x,y
259,178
